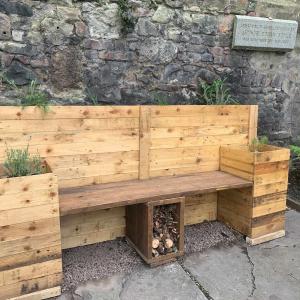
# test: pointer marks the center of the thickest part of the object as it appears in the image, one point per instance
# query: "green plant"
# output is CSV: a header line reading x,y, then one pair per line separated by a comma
x,y
295,150
257,144
11,83
35,97
127,19
216,93
94,100
19,162
295,161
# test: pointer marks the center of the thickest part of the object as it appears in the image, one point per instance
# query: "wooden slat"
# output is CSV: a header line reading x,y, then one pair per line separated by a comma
x,y
19,185
44,294
93,180
61,125
239,139
145,138
29,229
69,112
78,200
209,130
92,238
32,271
267,224
31,256
253,119
34,139
196,110
67,161
27,214
272,154
28,244
199,120
25,289
80,148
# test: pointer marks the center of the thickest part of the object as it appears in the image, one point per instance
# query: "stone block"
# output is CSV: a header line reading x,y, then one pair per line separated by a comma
x,y
15,7
20,74
264,34
163,14
5,27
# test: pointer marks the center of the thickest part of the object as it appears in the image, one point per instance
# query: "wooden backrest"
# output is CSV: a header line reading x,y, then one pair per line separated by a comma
x,y
96,144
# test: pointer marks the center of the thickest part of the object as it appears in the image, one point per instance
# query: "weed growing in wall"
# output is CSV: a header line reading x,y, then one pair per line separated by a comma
x,y
35,97
216,93
127,19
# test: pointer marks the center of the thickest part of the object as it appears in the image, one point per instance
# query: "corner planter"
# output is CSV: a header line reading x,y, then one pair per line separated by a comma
x,y
30,243
260,210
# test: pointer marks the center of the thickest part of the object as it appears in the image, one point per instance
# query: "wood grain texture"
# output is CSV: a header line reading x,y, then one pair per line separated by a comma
x,y
83,145
265,205
253,120
77,200
92,227
145,139
30,242
139,229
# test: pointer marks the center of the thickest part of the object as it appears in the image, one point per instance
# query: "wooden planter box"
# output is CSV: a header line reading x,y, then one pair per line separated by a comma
x,y
139,229
259,211
30,242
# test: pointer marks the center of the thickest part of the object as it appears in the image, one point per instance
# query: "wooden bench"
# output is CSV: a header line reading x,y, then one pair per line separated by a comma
x,y
151,192
110,195
115,164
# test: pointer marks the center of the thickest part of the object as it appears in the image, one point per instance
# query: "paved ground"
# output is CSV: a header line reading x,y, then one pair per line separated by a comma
x,y
270,271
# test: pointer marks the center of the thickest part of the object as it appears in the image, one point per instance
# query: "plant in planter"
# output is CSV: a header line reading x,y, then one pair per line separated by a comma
x,y
20,163
30,227
257,144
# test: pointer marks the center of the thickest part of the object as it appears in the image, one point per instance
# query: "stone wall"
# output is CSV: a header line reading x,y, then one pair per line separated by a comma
x,y
78,52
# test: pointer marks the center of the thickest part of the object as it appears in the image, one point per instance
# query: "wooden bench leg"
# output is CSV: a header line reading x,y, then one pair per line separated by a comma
x,y
261,219
139,230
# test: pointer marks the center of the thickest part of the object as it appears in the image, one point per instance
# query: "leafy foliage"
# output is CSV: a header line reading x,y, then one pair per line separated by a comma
x,y
257,144
216,93
127,19
10,83
295,150
19,162
35,97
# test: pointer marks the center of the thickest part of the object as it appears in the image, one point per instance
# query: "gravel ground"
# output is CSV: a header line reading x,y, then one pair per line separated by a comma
x,y
105,259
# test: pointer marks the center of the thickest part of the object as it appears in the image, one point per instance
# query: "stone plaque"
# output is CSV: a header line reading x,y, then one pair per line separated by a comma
x,y
266,34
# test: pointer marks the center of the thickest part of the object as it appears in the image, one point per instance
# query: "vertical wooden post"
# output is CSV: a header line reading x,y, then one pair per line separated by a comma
x,y
253,120
145,124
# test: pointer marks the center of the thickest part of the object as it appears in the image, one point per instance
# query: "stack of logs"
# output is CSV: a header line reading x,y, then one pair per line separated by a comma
x,y
165,232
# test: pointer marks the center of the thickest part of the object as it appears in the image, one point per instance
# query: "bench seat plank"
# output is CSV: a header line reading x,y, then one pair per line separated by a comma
x,y
109,195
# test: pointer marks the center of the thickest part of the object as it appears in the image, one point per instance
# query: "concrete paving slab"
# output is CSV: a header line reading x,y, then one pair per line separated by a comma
x,y
225,273
168,282
270,271
277,264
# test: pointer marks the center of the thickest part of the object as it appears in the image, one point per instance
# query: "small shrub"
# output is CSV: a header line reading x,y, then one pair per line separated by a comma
x,y
216,93
35,97
127,19
295,160
257,144
19,162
